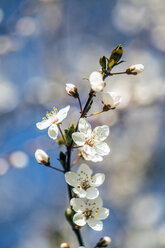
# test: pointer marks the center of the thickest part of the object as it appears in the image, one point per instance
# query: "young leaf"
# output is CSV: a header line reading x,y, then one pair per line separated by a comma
x,y
115,56
62,159
68,133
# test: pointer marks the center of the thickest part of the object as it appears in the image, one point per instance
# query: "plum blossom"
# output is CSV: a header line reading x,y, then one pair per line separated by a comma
x,y
52,120
71,90
84,183
111,99
91,142
89,212
42,157
138,68
96,81
104,242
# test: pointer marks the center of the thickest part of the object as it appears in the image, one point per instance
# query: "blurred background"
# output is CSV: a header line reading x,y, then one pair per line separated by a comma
x,y
45,44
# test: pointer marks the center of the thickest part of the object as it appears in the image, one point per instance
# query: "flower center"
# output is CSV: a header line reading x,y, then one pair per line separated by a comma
x,y
88,213
90,142
51,115
84,184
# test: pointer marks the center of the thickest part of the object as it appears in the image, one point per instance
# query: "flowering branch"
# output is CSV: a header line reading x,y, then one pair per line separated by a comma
x,y
86,205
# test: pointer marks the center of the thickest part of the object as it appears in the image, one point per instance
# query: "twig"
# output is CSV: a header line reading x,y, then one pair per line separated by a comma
x,y
107,74
95,113
68,165
54,168
61,133
78,97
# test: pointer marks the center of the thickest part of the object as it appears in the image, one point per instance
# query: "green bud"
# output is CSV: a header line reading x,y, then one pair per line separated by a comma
x,y
115,56
69,213
102,62
60,141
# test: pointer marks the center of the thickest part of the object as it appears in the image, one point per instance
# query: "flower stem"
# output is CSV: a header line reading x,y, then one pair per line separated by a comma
x,y
114,73
95,113
76,160
61,133
78,97
54,168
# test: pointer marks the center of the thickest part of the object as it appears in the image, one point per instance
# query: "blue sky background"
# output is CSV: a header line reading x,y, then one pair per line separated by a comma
x,y
45,44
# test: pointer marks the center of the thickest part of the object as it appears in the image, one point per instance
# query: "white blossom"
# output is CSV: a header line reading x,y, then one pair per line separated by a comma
x,y
104,242
83,183
71,89
111,99
90,212
51,120
138,68
96,81
64,245
41,156
91,142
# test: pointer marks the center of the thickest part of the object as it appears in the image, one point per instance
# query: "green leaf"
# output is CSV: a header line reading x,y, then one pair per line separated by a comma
x,y
115,56
62,159
103,62
68,133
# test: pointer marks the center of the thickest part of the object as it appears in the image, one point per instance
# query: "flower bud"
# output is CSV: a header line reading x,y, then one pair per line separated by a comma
x,y
135,69
110,100
96,81
42,157
64,245
104,242
69,213
71,89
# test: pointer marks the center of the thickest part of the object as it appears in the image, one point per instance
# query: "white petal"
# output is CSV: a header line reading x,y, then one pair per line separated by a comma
x,y
84,127
96,225
97,179
102,148
79,219
71,178
85,156
96,158
98,201
78,138
80,192
111,98
62,114
92,193
84,171
44,124
101,133
89,150
97,87
95,76
77,204
53,131
103,213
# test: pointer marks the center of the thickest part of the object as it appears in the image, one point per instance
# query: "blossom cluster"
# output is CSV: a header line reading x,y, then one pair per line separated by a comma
x,y
85,201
